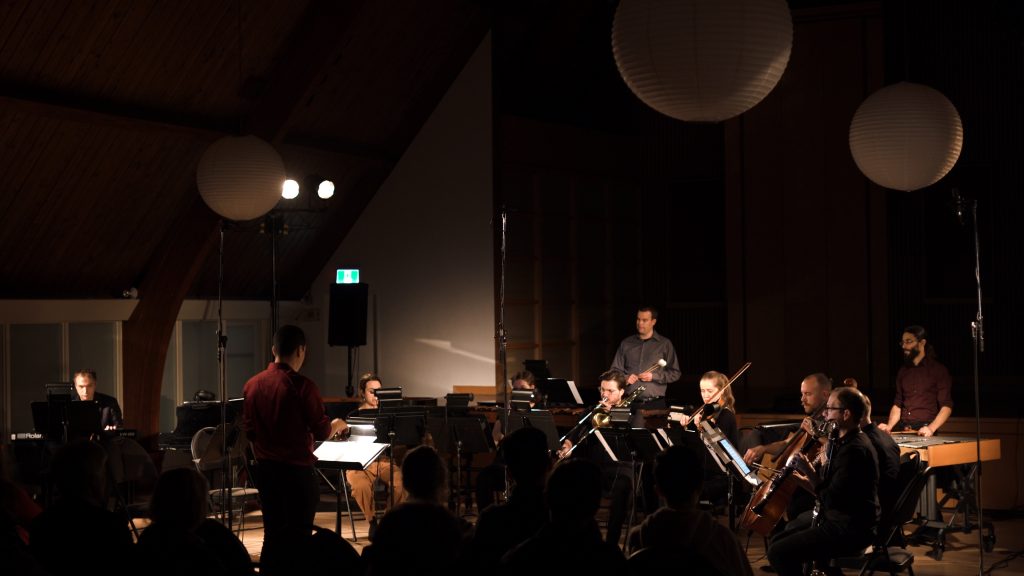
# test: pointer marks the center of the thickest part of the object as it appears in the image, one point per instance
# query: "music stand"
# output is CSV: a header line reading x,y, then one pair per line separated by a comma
x,y
539,369
460,436
559,392
523,400
343,456
388,397
534,419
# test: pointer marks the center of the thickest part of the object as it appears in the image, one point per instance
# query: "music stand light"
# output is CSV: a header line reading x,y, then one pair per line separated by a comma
x,y
460,400
522,400
389,397
619,417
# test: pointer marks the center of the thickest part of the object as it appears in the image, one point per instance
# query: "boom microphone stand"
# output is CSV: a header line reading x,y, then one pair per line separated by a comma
x,y
978,345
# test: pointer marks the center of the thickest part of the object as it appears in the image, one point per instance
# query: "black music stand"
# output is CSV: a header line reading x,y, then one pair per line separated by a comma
x,y
559,392
730,461
395,424
533,419
459,437
343,456
523,400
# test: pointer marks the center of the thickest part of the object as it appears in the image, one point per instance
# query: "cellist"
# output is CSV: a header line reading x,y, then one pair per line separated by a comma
x,y
814,392
846,488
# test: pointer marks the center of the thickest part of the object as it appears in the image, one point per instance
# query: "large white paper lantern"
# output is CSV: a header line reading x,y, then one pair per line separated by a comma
x,y
906,136
702,60
240,177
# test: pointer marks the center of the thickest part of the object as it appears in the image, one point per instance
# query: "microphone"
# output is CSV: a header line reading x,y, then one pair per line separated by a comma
x,y
958,206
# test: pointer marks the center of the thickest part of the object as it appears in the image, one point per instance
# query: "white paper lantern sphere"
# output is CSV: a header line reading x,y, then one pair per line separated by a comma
x,y
702,60
240,177
906,136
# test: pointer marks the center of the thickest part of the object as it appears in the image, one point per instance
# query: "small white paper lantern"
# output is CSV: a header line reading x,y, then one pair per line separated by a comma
x,y
240,177
702,60
906,136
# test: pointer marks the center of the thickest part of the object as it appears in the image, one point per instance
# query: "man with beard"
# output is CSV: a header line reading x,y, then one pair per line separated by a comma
x,y
923,400
814,391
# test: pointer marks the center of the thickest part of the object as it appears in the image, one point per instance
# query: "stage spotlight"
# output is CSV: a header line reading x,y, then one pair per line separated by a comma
x,y
325,190
290,189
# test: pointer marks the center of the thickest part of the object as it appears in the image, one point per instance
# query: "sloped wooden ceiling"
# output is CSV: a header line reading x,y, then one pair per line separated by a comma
x,y
107,106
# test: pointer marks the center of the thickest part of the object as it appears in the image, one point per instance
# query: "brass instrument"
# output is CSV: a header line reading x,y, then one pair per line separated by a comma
x,y
599,417
602,418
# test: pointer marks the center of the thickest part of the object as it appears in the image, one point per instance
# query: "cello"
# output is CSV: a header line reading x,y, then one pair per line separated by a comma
x,y
770,501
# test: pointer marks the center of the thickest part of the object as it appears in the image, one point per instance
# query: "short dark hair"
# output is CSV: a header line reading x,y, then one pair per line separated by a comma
x,y
651,309
288,339
919,333
424,474
852,400
86,373
526,454
615,376
525,376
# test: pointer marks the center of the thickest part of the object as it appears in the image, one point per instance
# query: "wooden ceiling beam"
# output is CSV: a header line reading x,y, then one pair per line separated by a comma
x,y
314,44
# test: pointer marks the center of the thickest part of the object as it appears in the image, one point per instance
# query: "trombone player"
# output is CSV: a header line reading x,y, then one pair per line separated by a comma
x,y
617,476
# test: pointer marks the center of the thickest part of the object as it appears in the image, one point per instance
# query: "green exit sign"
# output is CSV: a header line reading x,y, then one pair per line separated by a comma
x,y
347,276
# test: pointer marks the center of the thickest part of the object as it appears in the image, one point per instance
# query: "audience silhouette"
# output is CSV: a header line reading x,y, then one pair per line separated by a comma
x,y
501,527
570,539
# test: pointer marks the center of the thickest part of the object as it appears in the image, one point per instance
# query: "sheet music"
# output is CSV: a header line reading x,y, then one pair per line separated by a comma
x,y
605,444
575,393
362,453
664,435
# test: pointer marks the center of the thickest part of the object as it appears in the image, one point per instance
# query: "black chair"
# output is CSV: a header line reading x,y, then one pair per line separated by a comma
x,y
208,456
889,553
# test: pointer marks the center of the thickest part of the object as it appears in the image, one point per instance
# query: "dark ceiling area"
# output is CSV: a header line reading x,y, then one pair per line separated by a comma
x,y
106,108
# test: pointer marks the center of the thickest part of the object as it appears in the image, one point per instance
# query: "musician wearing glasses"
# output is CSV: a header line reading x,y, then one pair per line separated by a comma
x,y
382,471
639,356
85,391
923,400
846,488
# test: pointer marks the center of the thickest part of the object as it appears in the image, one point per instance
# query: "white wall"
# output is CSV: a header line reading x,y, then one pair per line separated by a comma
x,y
424,247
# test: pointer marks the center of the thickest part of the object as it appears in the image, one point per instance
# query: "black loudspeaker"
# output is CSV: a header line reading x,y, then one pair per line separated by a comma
x,y
347,325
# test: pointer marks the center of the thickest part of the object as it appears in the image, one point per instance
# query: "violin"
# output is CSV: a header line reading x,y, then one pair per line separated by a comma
x,y
767,505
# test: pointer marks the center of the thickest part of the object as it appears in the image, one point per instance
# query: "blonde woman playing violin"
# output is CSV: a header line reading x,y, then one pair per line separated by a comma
x,y
719,408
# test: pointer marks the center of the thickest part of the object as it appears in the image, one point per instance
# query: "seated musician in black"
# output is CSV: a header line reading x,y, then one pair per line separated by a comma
x,y
846,487
110,410
719,408
617,476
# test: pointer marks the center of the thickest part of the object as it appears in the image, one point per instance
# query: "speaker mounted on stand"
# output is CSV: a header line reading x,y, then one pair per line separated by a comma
x,y
347,321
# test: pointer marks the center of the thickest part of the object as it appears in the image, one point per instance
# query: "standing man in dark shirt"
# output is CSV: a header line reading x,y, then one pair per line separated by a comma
x,y
638,353
85,391
923,400
283,414
846,487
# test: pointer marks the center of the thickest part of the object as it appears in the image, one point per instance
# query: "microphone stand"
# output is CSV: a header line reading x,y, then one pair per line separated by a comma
x,y
978,345
222,343
501,335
